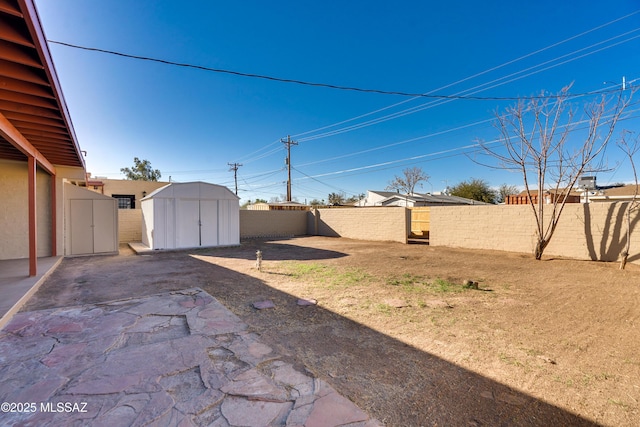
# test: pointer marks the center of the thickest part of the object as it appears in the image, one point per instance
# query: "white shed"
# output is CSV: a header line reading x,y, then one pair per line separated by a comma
x,y
190,215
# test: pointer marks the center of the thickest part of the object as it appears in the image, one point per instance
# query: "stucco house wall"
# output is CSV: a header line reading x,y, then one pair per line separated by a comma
x,y
15,210
126,186
129,220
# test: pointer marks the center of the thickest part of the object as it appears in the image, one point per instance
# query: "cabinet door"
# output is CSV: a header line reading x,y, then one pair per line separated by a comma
x,y
104,227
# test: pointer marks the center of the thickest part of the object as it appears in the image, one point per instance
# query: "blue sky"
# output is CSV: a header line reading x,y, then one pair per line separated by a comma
x,y
191,123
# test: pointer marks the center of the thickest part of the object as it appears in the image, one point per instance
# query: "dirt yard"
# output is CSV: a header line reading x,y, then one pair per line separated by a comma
x,y
552,342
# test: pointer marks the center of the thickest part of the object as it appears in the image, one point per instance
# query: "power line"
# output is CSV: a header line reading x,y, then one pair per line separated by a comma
x,y
485,86
479,73
393,144
272,151
424,157
307,83
324,183
477,88
441,98
247,158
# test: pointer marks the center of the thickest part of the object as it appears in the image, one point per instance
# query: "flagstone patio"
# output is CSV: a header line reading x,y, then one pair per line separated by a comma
x,y
174,359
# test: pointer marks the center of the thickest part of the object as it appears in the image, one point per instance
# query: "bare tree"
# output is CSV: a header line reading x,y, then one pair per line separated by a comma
x,y
630,149
504,191
542,138
407,184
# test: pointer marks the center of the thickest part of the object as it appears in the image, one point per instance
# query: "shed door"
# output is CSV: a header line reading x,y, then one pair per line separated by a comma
x,y
209,221
226,231
188,223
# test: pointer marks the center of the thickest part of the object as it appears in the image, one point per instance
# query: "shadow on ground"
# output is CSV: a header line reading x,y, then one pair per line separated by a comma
x,y
272,250
394,382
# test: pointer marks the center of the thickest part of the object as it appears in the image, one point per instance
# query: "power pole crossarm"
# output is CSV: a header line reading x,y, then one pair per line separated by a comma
x,y
234,167
288,142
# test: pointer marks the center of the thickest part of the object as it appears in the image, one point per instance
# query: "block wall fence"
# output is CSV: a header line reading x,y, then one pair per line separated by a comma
x,y
129,225
375,223
385,224
594,231
272,223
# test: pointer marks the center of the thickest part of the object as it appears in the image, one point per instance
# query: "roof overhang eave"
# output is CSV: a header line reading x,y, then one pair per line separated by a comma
x,y
31,17
15,138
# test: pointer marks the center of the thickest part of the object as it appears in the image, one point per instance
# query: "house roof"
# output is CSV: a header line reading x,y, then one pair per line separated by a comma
x,y
385,193
297,204
625,190
574,192
32,107
430,198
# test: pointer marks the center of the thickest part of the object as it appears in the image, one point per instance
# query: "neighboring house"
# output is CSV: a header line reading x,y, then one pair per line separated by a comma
x,y
549,197
390,198
128,192
39,151
623,193
375,198
280,206
587,190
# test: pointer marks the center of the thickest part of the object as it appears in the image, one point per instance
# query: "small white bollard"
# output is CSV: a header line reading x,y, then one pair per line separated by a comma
x,y
259,260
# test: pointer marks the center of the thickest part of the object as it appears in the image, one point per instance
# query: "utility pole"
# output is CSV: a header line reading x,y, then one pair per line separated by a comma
x,y
288,142
234,167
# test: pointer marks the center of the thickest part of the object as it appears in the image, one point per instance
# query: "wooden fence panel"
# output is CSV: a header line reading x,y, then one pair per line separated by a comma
x,y
420,221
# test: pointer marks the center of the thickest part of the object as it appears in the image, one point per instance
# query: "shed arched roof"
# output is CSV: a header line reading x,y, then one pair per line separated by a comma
x,y
192,190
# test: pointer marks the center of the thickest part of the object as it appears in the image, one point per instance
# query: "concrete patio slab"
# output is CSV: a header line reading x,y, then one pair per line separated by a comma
x,y
140,248
17,286
173,359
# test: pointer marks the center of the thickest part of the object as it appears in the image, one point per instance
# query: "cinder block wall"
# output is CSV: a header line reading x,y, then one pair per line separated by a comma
x,y
595,231
129,225
272,223
383,223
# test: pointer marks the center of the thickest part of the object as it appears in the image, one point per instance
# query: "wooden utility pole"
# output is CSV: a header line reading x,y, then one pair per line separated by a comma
x,y
288,142
234,167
